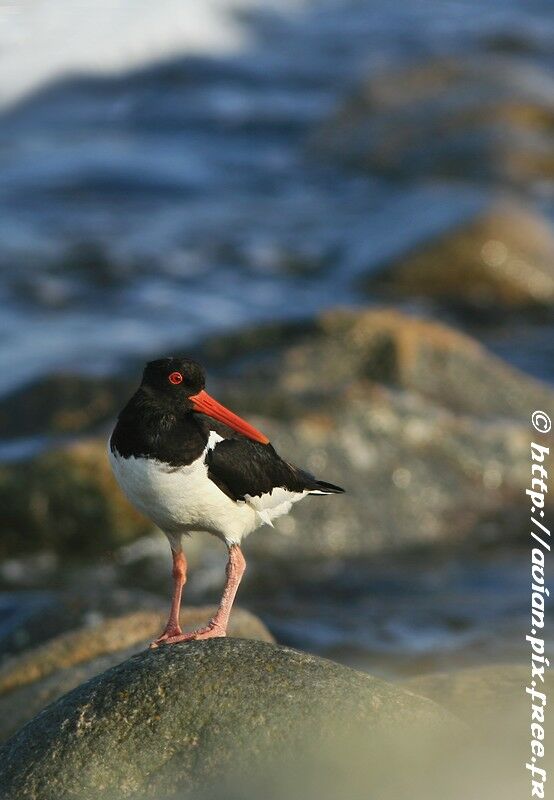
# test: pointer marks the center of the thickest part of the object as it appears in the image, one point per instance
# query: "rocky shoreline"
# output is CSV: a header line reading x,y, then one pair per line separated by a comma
x,y
390,208
430,430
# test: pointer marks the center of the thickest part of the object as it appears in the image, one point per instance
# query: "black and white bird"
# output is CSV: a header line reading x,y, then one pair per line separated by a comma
x,y
190,464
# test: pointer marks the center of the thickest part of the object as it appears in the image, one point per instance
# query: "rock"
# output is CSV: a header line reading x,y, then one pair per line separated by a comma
x,y
488,698
112,635
484,117
61,405
429,432
481,695
503,257
65,500
27,615
35,617
166,723
39,676
414,474
403,352
416,416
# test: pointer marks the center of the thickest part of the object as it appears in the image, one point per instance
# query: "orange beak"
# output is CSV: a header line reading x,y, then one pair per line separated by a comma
x,y
205,404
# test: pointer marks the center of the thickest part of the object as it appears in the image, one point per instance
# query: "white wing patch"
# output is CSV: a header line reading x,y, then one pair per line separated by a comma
x,y
274,504
213,439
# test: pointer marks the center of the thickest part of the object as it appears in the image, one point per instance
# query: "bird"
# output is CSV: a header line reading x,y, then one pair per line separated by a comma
x,y
190,464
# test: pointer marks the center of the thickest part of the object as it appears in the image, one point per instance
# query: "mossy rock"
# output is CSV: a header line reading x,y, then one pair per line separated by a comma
x,y
37,677
170,722
66,500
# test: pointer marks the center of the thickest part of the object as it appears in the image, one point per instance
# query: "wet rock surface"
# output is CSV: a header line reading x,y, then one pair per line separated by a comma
x,y
484,118
503,257
169,721
39,676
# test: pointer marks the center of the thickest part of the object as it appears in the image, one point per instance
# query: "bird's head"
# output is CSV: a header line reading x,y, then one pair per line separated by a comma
x,y
175,378
180,383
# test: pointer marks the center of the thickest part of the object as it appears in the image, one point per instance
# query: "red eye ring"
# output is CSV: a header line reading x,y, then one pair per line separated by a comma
x,y
176,378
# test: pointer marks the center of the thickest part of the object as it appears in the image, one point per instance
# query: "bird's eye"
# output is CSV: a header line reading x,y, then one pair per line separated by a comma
x,y
176,378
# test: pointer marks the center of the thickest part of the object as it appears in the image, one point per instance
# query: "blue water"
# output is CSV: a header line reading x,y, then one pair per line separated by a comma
x,y
142,210
409,614
392,615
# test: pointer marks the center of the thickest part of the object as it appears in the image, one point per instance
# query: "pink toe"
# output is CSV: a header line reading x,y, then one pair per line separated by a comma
x,y
209,632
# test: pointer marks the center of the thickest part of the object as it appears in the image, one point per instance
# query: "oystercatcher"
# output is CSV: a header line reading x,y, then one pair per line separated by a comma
x,y
190,464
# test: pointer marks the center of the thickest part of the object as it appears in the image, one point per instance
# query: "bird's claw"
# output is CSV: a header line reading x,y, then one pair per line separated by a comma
x,y
211,631
168,634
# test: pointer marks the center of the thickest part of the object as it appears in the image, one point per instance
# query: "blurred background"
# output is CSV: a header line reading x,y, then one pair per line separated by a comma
x,y
344,208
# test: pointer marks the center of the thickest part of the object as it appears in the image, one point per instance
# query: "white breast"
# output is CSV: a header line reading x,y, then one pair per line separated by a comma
x,y
183,499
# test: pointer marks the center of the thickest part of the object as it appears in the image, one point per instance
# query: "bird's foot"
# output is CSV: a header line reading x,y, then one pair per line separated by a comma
x,y
211,631
170,633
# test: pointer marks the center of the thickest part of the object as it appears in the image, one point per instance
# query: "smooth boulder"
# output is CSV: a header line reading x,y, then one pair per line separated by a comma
x,y
168,722
39,676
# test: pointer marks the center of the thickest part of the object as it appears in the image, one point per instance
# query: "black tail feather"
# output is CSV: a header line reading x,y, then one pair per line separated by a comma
x,y
312,484
329,488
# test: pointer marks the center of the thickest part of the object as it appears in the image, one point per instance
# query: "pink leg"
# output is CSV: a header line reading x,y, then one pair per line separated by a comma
x,y
179,579
218,625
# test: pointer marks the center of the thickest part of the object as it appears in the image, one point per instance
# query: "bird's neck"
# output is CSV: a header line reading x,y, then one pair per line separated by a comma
x,y
151,426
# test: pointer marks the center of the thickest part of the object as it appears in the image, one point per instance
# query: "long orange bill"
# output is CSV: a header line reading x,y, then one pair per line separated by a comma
x,y
205,404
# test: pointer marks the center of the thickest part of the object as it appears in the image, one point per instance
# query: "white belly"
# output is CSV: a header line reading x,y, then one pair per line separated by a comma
x,y
183,499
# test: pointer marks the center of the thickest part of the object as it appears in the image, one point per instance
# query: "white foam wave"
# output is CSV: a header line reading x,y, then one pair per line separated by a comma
x,y
41,40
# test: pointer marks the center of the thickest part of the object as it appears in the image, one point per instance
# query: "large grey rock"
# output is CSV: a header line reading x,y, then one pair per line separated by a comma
x,y
172,721
39,676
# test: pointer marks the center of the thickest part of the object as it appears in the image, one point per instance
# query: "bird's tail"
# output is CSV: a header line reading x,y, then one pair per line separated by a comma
x,y
326,488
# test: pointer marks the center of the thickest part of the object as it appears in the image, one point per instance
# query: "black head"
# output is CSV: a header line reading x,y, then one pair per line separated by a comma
x,y
173,386
174,377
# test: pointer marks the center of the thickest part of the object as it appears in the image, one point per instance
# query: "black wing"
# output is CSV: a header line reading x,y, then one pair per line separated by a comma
x,y
241,466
